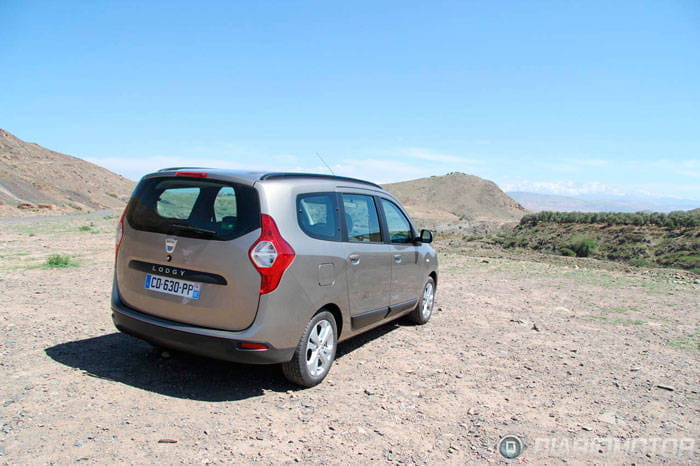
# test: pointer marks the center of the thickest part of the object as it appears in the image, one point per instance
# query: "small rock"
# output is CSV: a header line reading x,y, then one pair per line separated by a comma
x,y
634,369
519,321
586,428
535,328
26,206
78,443
484,261
165,355
666,387
167,440
609,418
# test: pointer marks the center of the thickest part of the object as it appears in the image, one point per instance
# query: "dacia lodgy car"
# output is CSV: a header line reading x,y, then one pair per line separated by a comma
x,y
267,267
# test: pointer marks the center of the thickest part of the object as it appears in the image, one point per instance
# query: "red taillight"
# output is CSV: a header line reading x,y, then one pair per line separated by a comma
x,y
192,174
119,236
270,254
248,345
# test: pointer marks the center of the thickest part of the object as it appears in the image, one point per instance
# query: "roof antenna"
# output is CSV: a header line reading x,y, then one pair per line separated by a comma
x,y
324,162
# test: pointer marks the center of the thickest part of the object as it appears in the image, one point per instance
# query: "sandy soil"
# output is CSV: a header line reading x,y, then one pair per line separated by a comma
x,y
557,353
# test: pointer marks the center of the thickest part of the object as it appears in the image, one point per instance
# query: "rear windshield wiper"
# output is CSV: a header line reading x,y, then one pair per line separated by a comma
x,y
192,230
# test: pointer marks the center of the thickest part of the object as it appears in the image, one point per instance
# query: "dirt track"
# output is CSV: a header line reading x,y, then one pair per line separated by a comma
x,y
71,388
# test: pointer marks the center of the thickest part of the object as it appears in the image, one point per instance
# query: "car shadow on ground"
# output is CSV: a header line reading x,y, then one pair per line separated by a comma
x,y
128,360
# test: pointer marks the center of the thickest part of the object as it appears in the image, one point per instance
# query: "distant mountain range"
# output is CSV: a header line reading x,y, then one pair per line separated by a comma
x,y
537,202
35,177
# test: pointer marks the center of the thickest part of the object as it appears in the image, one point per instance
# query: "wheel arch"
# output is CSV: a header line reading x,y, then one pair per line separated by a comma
x,y
337,314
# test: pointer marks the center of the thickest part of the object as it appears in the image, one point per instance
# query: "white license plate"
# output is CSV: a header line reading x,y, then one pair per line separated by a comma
x,y
172,286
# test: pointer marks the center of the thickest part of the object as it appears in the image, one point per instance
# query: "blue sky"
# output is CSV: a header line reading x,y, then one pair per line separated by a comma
x,y
563,97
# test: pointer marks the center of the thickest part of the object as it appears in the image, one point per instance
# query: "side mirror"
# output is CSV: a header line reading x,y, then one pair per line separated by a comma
x,y
426,236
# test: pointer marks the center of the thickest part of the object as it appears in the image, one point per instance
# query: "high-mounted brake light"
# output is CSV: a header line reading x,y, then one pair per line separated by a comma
x,y
270,254
192,174
120,236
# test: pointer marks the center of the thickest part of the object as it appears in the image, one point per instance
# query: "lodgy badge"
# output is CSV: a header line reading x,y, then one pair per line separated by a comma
x,y
167,270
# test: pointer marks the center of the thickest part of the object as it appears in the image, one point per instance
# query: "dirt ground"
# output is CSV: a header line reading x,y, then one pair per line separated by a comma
x,y
570,356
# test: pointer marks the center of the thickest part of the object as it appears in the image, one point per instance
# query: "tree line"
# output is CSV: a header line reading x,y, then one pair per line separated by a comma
x,y
678,218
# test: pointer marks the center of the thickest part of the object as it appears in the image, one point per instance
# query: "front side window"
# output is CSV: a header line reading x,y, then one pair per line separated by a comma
x,y
398,225
317,214
195,208
361,219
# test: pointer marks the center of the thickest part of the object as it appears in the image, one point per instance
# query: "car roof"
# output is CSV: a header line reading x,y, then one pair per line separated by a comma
x,y
251,177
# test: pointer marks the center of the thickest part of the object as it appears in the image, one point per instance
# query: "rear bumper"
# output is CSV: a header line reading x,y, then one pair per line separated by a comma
x,y
217,344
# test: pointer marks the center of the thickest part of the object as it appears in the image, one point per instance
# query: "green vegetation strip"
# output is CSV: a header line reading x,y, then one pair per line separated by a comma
x,y
673,219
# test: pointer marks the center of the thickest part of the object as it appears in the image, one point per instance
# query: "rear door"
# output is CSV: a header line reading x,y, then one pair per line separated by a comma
x,y
405,270
184,255
369,266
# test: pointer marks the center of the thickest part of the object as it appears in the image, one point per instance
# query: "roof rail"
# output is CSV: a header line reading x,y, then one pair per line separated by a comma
x,y
279,175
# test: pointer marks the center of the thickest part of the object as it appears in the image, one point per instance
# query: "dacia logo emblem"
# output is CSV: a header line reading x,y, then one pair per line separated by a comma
x,y
170,244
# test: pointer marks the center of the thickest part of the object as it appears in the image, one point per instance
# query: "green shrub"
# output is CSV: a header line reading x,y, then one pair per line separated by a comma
x,y
85,228
567,252
582,247
59,261
639,261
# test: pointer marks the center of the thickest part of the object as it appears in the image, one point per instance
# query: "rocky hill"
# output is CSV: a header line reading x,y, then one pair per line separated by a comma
x,y
33,178
454,199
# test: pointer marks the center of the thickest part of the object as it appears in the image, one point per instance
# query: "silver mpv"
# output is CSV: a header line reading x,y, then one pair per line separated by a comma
x,y
267,267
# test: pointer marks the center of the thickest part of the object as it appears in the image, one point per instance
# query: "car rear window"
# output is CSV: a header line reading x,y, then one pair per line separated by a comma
x,y
195,208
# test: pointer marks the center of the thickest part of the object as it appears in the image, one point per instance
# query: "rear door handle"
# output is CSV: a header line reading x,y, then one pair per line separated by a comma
x,y
354,259
397,258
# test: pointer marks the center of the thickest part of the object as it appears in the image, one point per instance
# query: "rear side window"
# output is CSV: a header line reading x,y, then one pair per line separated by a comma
x,y
194,207
398,225
317,214
361,219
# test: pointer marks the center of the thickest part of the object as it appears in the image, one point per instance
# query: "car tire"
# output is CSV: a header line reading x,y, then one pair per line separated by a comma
x,y
315,353
424,309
